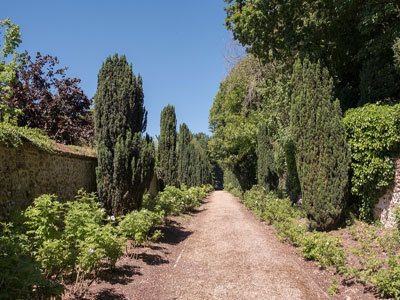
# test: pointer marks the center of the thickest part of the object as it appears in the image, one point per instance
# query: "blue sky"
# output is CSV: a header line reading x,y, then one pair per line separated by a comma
x,y
177,46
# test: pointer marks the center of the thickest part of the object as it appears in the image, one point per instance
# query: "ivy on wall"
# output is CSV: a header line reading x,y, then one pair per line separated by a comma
x,y
372,133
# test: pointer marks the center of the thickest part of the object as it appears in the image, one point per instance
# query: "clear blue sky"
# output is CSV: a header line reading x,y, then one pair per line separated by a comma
x,y
177,46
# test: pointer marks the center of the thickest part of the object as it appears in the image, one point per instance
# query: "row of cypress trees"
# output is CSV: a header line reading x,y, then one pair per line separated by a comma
x,y
181,159
127,157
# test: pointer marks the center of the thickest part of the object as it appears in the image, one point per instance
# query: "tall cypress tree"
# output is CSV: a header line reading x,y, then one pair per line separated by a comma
x,y
322,156
167,162
125,159
267,176
184,139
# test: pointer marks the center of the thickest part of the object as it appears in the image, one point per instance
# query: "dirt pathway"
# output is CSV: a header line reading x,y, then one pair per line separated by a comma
x,y
221,252
230,256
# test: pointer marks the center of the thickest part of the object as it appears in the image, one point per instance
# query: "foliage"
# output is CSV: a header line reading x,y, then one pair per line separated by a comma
x,y
176,201
194,167
77,243
334,287
321,151
292,181
20,276
51,101
234,125
231,183
373,136
167,157
376,253
396,50
267,171
9,62
352,38
126,159
254,96
388,281
397,216
183,154
136,225
14,136
267,206
58,242
323,248
200,168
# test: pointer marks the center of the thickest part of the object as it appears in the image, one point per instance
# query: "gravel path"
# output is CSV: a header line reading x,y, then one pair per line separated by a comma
x,y
230,256
221,252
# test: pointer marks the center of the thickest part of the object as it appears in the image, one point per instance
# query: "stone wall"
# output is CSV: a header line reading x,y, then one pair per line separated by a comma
x,y
27,172
384,210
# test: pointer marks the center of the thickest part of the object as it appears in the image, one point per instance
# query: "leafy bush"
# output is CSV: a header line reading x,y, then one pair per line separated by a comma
x,y
171,200
269,207
136,225
388,280
72,238
233,190
373,135
20,276
59,240
323,248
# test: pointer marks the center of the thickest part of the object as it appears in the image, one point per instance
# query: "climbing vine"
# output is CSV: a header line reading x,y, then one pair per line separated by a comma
x,y
373,136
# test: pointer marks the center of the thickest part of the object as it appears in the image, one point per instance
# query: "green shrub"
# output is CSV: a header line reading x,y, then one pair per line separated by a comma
x,y
388,280
373,135
291,230
137,224
74,238
324,249
20,276
171,200
233,190
268,207
167,165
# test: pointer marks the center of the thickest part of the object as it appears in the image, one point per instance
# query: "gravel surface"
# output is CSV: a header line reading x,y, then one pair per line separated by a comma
x,y
221,251
230,256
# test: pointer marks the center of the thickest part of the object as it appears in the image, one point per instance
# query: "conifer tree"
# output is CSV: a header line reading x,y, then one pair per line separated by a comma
x,y
266,173
184,162
321,153
125,159
167,161
200,169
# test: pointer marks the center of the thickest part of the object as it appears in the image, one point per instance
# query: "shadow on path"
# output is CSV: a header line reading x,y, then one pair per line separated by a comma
x,y
119,275
152,259
108,294
174,235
